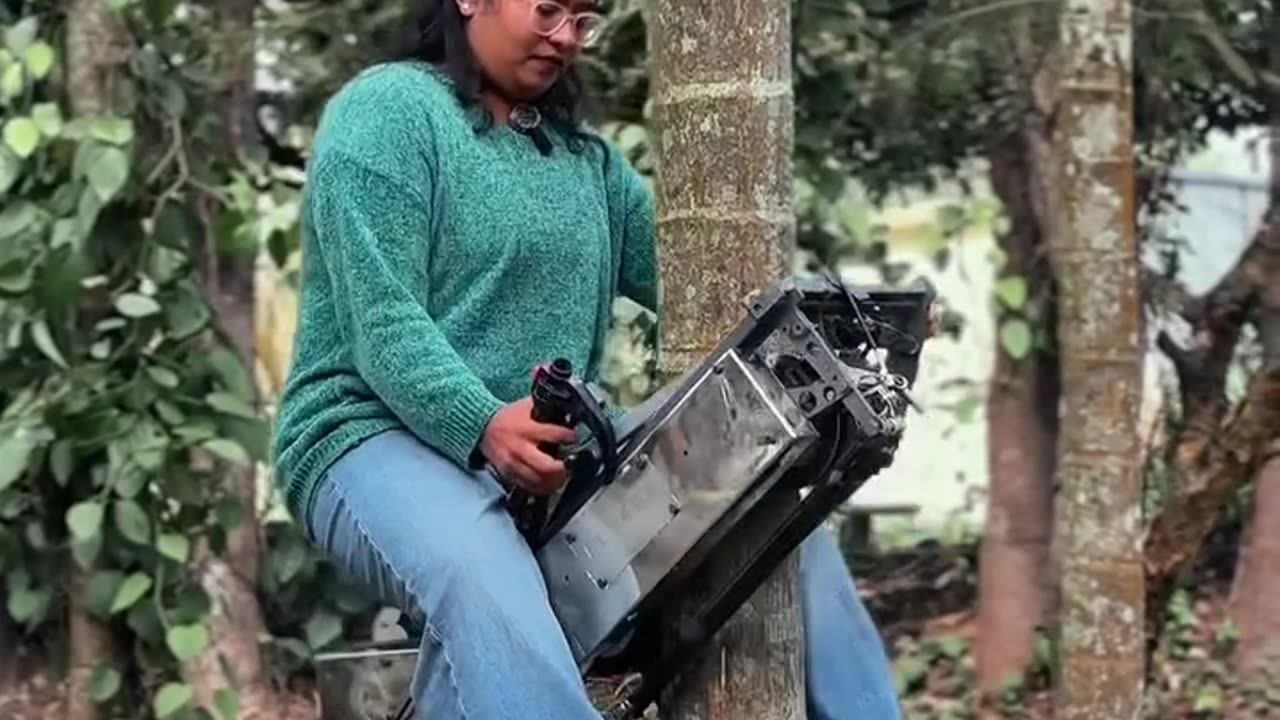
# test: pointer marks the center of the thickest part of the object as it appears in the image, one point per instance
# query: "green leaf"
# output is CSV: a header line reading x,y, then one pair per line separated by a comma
x,y
230,404
1016,337
101,591
287,560
107,172
114,130
174,546
84,519
1012,291
15,451
228,450
171,698
186,314
130,591
104,683
12,81
132,521
10,169
163,376
39,59
231,371
227,702
171,414
26,603
322,629
136,305
88,209
61,461
17,217
19,36
908,670
1208,699
48,118
22,135
85,552
186,641
43,339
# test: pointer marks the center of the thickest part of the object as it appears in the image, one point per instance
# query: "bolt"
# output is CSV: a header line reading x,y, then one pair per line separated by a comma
x,y
807,401
602,583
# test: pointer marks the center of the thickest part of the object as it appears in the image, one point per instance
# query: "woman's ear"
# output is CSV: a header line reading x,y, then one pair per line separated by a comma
x,y
466,7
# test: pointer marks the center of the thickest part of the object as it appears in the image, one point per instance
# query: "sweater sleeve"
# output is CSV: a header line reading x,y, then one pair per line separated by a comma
x,y
638,275
371,233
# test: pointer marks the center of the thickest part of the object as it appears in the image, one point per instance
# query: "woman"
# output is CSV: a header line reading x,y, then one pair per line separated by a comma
x,y
460,227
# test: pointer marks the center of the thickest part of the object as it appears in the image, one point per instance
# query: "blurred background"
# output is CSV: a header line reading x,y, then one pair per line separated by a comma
x,y
152,161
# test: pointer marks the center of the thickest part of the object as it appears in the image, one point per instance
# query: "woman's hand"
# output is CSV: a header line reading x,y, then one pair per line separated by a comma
x,y
510,443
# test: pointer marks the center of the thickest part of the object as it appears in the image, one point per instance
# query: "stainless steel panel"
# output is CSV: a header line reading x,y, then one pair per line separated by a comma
x,y
735,428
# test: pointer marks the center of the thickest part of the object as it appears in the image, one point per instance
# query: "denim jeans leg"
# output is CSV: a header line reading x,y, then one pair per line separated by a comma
x,y
847,670
435,541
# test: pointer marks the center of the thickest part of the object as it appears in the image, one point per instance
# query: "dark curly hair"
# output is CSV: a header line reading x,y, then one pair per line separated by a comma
x,y
439,38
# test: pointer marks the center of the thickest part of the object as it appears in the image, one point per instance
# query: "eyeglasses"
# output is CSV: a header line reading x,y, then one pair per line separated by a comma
x,y
549,17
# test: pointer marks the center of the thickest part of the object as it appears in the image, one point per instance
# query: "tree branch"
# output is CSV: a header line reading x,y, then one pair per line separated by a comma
x,y
1225,464
1215,452
1216,319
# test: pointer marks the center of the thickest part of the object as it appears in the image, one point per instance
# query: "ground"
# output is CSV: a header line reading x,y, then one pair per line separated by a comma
x,y
923,598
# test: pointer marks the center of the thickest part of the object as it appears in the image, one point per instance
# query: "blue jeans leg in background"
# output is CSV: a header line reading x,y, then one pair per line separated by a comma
x,y
435,541
847,672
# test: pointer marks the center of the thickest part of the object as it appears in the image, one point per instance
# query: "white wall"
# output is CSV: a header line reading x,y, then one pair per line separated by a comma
x,y
942,464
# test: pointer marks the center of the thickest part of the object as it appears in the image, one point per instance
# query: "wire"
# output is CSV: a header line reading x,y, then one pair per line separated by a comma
x,y
857,309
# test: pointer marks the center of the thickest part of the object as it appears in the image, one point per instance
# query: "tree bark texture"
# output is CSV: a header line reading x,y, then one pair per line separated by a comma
x,y
234,657
1217,449
1017,584
1095,259
723,135
1257,606
96,46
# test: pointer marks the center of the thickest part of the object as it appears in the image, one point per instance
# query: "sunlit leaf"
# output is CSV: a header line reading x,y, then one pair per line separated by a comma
x,y
130,591
84,519
22,135
136,305
186,641
171,698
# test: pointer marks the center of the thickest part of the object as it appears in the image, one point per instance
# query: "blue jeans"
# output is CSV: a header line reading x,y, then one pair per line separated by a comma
x,y
435,541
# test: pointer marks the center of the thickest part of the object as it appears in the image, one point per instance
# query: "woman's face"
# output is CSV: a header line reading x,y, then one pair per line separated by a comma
x,y
523,46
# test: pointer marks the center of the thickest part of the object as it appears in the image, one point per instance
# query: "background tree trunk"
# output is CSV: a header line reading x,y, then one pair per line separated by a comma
x,y
1257,606
1095,259
96,46
1017,592
231,581
723,121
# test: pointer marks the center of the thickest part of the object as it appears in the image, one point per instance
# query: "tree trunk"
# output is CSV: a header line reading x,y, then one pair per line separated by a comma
x,y
236,620
1017,592
97,45
1217,448
723,118
1257,605
1095,260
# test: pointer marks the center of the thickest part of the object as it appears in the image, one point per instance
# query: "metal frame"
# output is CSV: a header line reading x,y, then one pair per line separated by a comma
x,y
809,393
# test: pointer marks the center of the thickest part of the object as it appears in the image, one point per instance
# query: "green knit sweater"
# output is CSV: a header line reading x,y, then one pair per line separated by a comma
x,y
440,265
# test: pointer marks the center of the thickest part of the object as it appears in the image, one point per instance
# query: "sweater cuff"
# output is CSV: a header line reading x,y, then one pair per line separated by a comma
x,y
465,423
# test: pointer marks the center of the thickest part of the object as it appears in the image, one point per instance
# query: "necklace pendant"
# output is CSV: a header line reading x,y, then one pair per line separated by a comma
x,y
525,117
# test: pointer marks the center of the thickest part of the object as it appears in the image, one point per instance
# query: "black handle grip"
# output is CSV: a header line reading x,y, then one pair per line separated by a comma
x,y
553,403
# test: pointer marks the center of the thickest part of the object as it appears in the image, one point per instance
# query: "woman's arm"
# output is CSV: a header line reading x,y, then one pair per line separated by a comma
x,y
638,278
372,233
